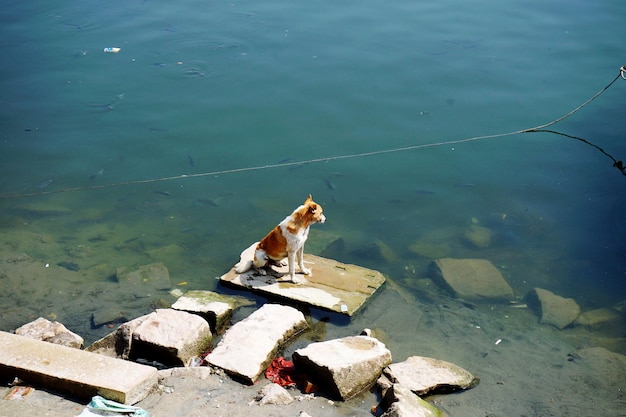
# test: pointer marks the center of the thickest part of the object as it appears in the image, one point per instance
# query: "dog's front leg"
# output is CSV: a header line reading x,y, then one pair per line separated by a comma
x,y
304,270
292,267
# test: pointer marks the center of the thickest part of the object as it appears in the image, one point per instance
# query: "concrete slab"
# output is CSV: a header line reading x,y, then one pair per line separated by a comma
x,y
249,346
216,308
73,371
344,367
334,286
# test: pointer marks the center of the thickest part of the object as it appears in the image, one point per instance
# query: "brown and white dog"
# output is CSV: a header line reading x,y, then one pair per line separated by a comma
x,y
286,240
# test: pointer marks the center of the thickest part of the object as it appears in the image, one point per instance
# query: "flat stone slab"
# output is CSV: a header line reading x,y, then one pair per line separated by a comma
x,y
249,346
345,366
77,372
332,285
474,279
424,375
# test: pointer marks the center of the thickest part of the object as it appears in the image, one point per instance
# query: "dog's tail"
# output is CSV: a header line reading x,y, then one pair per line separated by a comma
x,y
243,266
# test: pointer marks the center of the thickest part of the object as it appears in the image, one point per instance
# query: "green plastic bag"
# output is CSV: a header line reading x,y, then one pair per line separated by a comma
x,y
100,406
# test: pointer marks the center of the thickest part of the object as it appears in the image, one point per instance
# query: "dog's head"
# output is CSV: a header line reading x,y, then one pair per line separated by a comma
x,y
313,211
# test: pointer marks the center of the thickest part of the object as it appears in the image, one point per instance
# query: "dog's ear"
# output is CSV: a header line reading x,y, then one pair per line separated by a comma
x,y
308,199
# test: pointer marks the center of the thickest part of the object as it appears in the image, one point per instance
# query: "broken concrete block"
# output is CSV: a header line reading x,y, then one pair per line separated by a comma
x,y
171,337
50,331
553,309
473,279
216,308
118,343
344,367
399,401
424,375
249,346
74,371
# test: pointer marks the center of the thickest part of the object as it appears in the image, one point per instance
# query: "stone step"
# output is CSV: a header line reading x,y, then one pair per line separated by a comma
x,y
73,371
249,346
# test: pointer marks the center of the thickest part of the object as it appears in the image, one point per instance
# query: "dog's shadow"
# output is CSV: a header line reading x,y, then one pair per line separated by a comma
x,y
265,276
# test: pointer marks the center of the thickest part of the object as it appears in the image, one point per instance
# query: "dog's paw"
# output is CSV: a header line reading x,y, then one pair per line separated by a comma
x,y
243,266
306,271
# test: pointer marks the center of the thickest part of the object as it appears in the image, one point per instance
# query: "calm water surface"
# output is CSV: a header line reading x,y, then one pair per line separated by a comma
x,y
206,87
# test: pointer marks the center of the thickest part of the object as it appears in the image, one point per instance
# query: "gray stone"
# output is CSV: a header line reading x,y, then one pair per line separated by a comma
x,y
344,367
402,402
249,346
553,309
473,279
171,337
274,394
74,371
424,375
52,332
216,308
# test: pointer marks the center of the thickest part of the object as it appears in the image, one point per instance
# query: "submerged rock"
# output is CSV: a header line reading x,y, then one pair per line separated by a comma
x,y
344,367
377,251
50,331
478,236
144,280
604,320
473,279
553,309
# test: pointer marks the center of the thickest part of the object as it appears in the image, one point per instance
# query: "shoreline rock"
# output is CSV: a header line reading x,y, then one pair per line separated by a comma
x,y
346,366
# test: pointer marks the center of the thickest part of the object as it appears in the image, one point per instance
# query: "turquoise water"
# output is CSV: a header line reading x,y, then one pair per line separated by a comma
x,y
209,87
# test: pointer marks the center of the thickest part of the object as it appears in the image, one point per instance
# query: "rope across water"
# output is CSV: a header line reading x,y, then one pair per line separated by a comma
x,y
541,128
